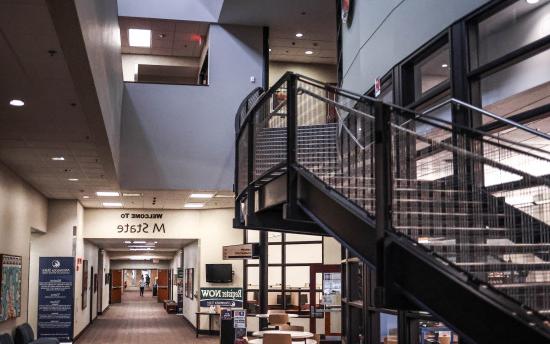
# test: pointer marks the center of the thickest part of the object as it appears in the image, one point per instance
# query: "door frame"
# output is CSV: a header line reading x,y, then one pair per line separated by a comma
x,y
314,269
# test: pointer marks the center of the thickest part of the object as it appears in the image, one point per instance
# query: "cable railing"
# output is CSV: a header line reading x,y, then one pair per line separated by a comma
x,y
479,201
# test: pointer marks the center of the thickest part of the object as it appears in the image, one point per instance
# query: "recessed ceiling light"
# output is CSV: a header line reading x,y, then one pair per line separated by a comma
x,y
85,197
193,205
17,102
107,193
139,38
299,35
444,65
532,2
73,179
112,204
58,158
270,49
127,242
201,195
309,52
130,194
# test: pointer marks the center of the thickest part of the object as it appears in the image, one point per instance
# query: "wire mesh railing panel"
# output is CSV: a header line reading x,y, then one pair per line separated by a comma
x,y
455,193
335,141
270,131
242,154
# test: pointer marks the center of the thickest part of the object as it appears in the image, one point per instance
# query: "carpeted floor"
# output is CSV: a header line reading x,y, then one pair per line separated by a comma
x,y
141,320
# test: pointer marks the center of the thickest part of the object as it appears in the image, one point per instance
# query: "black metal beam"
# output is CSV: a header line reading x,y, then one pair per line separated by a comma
x,y
263,278
272,220
338,217
265,78
453,297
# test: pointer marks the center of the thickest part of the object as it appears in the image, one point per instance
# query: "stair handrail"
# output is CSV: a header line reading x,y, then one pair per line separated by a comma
x,y
245,106
489,114
413,115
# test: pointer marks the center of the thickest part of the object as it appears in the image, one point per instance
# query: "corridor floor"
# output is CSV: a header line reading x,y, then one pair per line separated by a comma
x,y
140,320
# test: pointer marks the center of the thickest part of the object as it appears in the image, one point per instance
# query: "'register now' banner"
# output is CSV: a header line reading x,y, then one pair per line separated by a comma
x,y
224,297
56,298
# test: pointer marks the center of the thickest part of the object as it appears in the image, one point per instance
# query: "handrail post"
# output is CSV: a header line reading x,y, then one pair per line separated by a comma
x,y
383,190
292,142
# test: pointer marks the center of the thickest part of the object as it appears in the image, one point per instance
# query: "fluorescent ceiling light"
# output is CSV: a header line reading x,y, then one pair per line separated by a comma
x,y
58,158
299,35
130,194
532,1
17,102
142,249
309,52
85,197
224,196
444,65
193,205
127,242
107,193
139,38
201,195
73,179
112,204
140,242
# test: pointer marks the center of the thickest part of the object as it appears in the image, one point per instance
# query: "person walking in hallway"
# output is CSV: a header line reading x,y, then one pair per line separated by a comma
x,y
141,287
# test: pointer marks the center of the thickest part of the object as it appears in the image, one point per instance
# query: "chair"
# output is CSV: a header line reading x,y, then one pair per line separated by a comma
x,y
278,319
277,338
25,335
5,339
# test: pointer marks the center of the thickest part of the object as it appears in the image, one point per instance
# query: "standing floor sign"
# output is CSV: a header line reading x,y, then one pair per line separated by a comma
x,y
56,297
224,297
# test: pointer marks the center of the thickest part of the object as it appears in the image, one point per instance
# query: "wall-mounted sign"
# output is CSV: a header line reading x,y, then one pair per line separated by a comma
x,y
244,251
55,298
377,87
347,12
224,297
144,227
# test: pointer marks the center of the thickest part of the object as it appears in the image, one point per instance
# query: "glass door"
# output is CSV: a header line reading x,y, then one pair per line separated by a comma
x,y
325,306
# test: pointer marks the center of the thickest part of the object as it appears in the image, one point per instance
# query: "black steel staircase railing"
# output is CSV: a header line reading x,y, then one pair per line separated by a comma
x,y
407,191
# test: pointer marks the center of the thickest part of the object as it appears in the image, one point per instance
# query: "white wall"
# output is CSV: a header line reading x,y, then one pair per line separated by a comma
x,y
172,134
193,10
101,33
105,288
321,72
191,259
21,208
385,32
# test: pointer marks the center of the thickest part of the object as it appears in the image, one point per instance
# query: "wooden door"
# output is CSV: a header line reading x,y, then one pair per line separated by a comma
x,y
162,285
116,286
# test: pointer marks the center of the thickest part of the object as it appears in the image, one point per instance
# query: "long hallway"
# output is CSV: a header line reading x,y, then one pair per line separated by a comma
x,y
140,320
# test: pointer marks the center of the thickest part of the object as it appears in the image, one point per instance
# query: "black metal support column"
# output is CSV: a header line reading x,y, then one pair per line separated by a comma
x,y
263,277
383,192
292,142
265,76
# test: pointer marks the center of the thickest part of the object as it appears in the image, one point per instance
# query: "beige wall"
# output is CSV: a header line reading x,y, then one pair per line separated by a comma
x,y
321,72
21,208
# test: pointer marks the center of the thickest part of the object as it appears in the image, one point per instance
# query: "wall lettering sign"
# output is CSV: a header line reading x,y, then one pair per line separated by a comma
x,y
145,227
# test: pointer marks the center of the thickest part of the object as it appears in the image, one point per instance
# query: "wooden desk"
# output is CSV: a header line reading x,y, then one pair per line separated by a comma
x,y
198,321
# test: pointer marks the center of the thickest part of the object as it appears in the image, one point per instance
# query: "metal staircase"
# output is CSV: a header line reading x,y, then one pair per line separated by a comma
x,y
432,206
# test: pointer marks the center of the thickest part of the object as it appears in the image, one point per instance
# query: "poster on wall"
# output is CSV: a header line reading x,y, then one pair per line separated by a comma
x,y
84,284
189,283
55,298
224,297
179,280
10,287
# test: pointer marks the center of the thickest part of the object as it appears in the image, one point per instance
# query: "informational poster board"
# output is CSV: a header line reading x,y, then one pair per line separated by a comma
x,y
55,298
239,323
179,281
224,297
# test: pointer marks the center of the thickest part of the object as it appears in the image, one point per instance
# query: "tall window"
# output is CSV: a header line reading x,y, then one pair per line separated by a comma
x,y
289,257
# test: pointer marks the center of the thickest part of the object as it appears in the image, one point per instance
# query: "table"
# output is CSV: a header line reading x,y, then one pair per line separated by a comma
x,y
260,341
266,316
198,323
293,334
